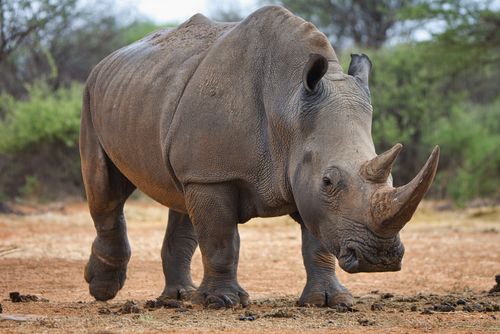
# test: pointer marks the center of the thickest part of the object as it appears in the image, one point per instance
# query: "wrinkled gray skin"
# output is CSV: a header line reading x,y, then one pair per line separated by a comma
x,y
223,122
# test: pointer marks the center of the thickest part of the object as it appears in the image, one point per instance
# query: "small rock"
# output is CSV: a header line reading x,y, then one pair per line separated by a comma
x,y
497,279
343,308
172,304
366,322
461,302
252,318
243,318
414,308
478,307
427,311
387,295
491,308
129,307
367,298
445,308
283,314
468,309
15,297
33,298
495,289
182,309
493,316
104,310
249,313
377,307
150,304
331,322
1,310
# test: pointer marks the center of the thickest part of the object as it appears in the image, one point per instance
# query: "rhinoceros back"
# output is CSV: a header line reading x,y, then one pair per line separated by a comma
x,y
133,95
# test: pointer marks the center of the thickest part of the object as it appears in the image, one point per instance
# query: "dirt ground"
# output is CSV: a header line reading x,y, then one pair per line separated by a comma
x,y
450,264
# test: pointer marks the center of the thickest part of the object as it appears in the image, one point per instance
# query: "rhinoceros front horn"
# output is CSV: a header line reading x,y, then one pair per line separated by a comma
x,y
392,207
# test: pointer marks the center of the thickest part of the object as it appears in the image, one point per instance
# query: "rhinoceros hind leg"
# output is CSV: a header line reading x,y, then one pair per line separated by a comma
x,y
178,248
107,190
214,212
322,286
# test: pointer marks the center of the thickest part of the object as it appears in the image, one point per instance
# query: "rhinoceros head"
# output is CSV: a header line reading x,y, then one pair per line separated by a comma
x,y
342,188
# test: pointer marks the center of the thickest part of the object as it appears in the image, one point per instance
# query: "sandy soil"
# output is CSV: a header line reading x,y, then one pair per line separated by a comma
x,y
450,255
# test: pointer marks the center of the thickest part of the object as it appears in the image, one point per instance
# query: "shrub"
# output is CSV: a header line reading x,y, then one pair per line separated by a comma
x,y
39,143
46,118
471,140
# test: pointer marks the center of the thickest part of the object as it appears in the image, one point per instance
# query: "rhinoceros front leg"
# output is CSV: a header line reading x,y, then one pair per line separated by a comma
x,y
214,212
178,248
322,286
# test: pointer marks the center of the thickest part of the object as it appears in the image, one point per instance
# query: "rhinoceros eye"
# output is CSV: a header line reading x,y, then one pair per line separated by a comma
x,y
331,179
327,181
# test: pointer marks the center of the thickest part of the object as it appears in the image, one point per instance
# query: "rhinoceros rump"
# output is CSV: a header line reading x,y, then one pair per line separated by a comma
x,y
222,122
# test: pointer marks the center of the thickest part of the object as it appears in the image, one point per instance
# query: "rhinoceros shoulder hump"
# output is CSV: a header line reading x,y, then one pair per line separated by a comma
x,y
195,31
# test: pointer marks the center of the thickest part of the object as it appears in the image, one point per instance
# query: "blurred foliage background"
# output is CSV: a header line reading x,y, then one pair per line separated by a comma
x,y
435,81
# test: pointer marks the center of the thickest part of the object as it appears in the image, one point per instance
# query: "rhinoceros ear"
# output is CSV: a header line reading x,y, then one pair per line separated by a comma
x,y
314,70
360,67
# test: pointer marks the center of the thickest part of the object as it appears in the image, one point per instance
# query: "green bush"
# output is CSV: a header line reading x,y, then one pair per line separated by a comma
x,y
39,154
47,117
471,142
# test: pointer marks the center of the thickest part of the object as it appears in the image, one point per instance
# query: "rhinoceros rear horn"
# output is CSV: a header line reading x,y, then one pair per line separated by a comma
x,y
379,168
314,70
392,208
360,67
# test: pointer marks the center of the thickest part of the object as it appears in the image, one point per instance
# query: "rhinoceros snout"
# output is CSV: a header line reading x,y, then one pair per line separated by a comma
x,y
353,261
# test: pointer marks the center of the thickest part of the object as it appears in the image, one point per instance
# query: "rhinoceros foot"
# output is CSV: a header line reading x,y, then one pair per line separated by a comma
x,y
224,297
325,295
104,283
179,292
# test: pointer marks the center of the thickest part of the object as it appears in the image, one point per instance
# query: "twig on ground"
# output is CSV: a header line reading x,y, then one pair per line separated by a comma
x,y
10,250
